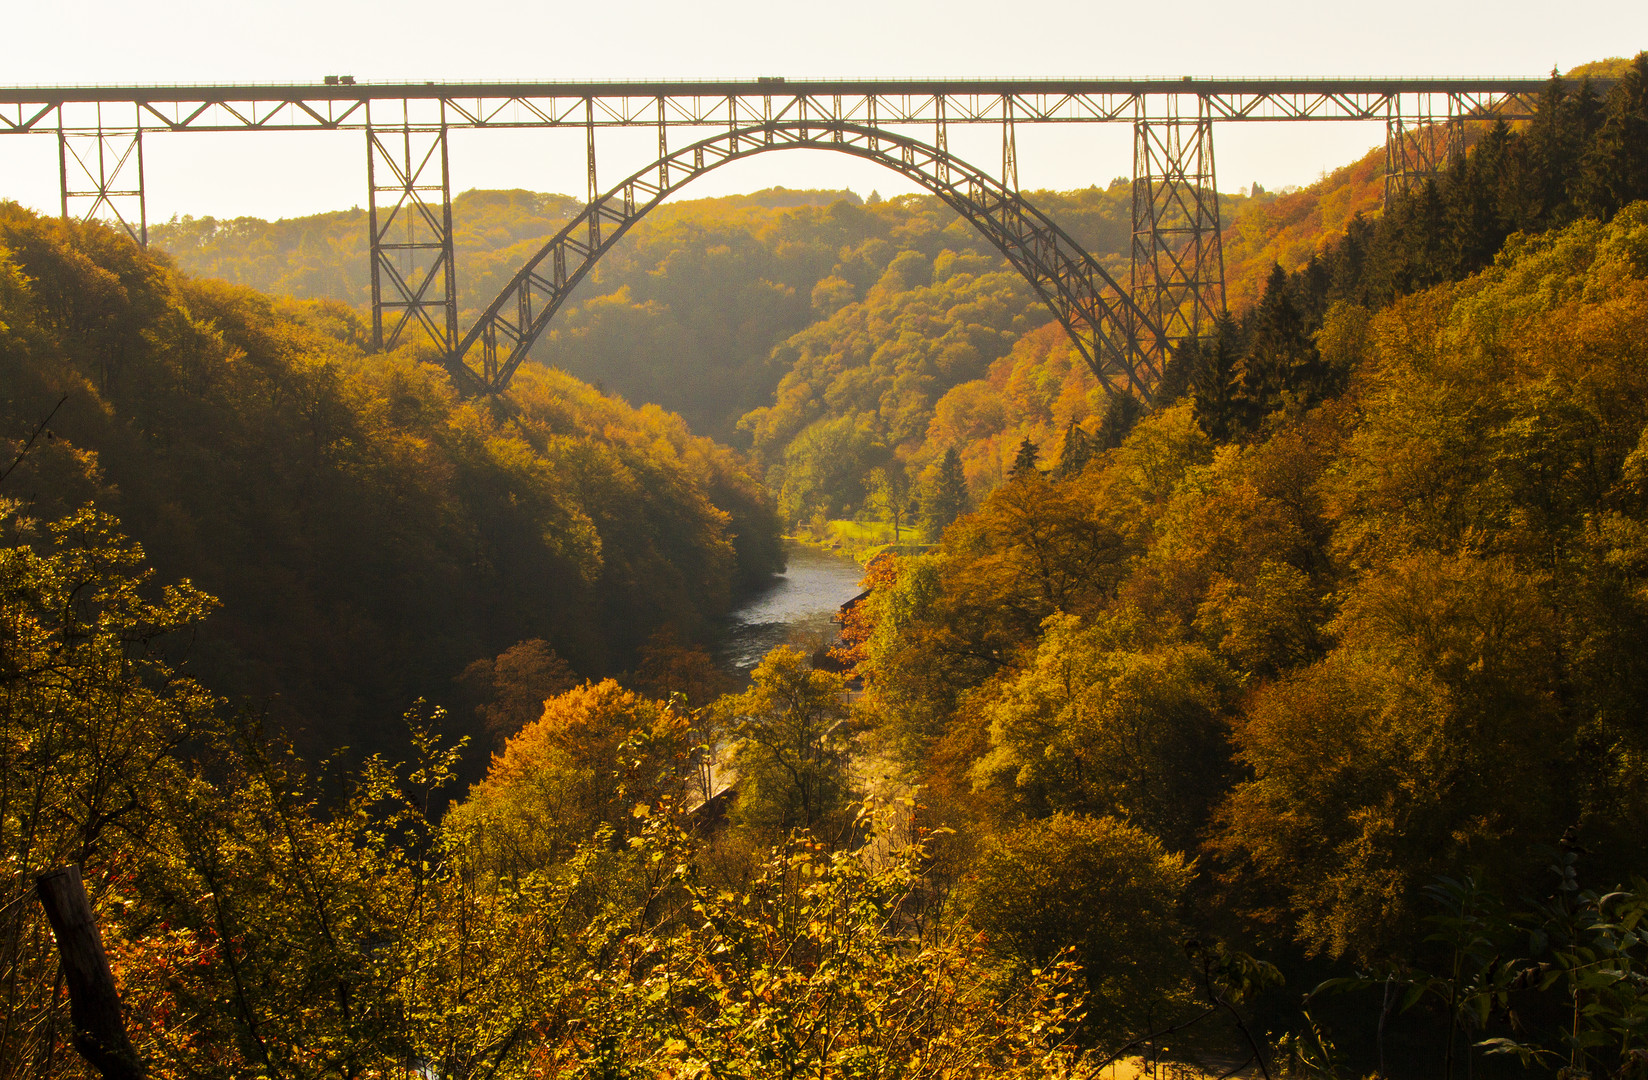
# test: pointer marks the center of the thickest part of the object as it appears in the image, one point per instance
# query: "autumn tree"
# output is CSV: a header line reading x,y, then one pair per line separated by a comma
x,y
94,722
1102,723
889,488
793,738
596,753
1101,888
858,622
667,665
513,687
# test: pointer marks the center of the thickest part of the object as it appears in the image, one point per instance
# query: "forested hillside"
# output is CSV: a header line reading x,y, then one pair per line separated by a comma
x,y
830,336
719,309
1358,619
1353,706
369,533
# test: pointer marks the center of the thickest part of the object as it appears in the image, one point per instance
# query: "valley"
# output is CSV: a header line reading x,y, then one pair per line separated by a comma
x,y
1283,720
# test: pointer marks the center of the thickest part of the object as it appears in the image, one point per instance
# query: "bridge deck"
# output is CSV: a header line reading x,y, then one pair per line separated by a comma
x,y
702,103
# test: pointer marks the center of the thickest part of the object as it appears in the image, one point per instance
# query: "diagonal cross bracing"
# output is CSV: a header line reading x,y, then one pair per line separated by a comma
x,y
409,215
745,102
1178,271
101,172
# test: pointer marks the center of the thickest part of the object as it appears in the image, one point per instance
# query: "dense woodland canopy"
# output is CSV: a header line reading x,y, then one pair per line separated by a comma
x,y
369,533
1296,724
1357,620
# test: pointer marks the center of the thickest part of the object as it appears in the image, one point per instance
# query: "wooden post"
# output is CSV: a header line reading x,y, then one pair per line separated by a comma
x,y
94,1006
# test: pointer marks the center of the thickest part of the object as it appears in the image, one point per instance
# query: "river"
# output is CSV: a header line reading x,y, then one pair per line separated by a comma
x,y
798,606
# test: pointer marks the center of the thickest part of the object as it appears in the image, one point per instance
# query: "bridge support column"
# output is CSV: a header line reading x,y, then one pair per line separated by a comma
x,y
1178,255
589,165
1009,146
101,172
1420,143
409,213
941,136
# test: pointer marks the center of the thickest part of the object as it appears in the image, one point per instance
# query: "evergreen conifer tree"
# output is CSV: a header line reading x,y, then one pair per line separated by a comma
x,y
1121,412
1181,365
1282,362
1024,464
1545,171
1428,260
1313,289
1075,453
946,500
1213,383
1348,259
1582,124
1616,168
1473,193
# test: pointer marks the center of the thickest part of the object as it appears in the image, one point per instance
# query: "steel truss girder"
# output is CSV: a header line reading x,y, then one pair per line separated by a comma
x,y
100,171
1178,266
1121,344
72,112
748,104
409,216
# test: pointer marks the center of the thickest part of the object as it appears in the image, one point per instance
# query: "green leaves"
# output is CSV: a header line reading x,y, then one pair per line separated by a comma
x,y
1096,891
792,736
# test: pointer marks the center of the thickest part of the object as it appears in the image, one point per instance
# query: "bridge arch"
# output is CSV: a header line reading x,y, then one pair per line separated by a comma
x,y
1120,343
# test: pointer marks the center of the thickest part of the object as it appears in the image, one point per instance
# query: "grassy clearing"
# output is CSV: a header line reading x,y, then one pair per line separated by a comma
x,y
859,539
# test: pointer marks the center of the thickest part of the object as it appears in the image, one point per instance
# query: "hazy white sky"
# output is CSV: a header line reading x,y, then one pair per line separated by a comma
x,y
165,41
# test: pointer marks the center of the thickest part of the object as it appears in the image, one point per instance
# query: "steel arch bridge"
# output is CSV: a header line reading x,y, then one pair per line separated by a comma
x,y
1176,280
1122,344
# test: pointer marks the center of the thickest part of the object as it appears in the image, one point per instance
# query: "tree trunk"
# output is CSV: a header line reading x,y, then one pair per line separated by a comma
x,y
94,1006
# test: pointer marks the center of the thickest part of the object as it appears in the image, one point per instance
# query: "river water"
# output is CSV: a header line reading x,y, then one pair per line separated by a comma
x,y
798,607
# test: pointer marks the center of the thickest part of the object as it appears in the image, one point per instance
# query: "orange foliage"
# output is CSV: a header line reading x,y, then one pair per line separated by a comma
x,y
1290,228
1036,391
597,752
587,725
858,621
670,666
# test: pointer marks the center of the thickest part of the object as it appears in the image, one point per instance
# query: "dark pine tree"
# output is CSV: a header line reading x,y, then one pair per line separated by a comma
x,y
1313,289
946,500
1616,166
1281,364
1076,451
1121,412
1429,263
1214,383
1182,362
1582,123
1545,169
1024,464
1473,192
1347,262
